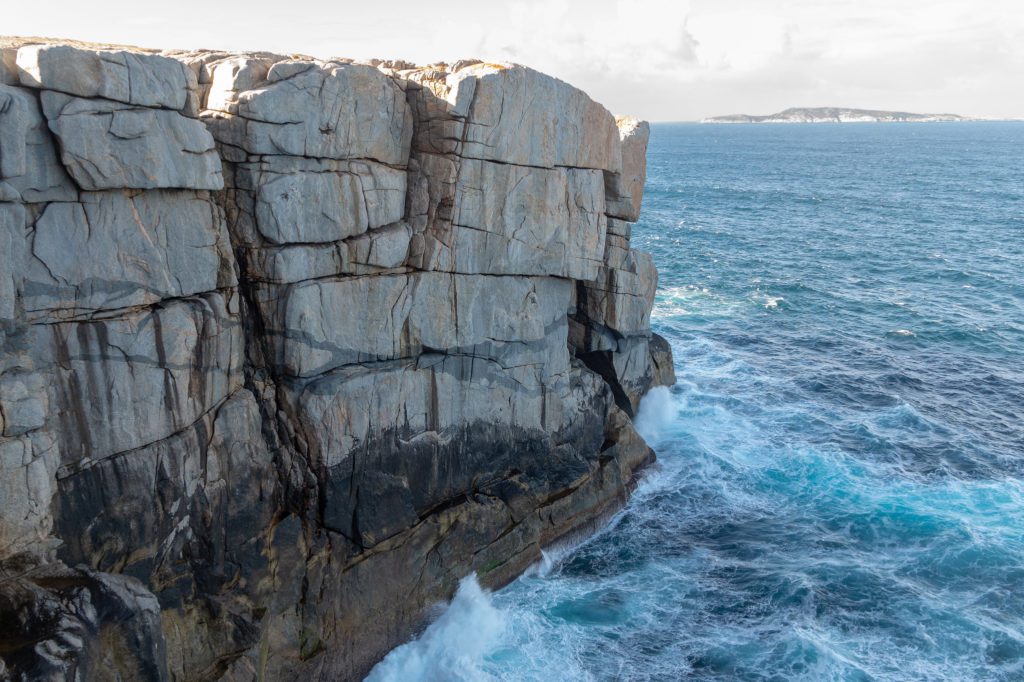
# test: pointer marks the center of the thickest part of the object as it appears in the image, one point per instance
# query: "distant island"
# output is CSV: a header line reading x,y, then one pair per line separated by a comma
x,y
835,115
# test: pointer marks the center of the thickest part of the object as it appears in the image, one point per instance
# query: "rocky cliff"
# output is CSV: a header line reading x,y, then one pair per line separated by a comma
x,y
289,346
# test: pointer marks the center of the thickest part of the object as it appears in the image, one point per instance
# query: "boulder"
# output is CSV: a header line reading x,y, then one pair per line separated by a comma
x,y
64,624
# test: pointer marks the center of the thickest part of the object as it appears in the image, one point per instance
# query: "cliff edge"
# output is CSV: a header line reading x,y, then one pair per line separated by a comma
x,y
289,346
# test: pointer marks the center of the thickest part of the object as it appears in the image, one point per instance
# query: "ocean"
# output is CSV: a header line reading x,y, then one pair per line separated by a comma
x,y
839,493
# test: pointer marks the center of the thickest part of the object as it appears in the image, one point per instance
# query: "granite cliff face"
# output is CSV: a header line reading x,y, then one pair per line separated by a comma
x,y
288,347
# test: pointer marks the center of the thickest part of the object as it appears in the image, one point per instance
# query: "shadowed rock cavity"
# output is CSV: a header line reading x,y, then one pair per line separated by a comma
x,y
290,346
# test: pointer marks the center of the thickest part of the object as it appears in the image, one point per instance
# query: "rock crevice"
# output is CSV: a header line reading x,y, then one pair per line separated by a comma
x,y
289,346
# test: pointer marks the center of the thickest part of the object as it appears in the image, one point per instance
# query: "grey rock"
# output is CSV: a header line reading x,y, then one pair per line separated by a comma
x,y
14,246
109,145
228,77
382,251
120,249
28,157
285,199
622,297
526,117
304,343
23,402
9,65
66,624
398,316
662,363
123,382
384,191
626,188
507,219
148,80
513,114
310,207
182,514
317,109
620,228
15,116
28,464
324,201
633,370
404,434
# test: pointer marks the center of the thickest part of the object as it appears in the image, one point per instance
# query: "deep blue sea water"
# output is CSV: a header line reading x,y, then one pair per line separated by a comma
x,y
840,487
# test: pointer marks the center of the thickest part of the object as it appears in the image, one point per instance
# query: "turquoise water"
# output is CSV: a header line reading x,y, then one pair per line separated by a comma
x,y
840,487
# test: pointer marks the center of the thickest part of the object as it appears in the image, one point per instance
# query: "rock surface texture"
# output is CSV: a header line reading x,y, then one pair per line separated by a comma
x,y
290,346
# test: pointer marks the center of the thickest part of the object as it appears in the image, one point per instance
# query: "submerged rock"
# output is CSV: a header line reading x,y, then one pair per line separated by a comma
x,y
288,347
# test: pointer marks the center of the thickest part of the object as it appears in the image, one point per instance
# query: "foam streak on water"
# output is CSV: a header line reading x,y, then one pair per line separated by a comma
x,y
840,487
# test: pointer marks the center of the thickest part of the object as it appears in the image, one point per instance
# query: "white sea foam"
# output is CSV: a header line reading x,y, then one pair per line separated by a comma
x,y
545,565
691,300
657,410
454,647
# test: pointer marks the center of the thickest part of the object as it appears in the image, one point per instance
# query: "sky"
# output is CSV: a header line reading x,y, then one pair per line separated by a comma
x,y
670,60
